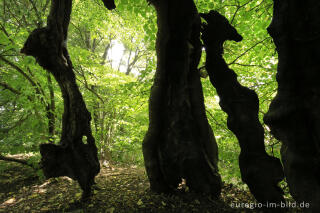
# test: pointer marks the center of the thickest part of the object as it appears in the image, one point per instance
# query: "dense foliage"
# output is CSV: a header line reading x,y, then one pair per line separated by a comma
x,y
113,54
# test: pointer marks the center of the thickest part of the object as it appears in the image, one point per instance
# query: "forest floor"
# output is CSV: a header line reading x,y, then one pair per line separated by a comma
x,y
119,189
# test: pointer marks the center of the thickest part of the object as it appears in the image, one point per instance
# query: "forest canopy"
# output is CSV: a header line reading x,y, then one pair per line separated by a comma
x,y
113,55
108,69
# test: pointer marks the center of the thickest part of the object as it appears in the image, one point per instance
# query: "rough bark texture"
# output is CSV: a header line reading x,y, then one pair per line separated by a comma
x,y
258,170
294,114
73,157
179,142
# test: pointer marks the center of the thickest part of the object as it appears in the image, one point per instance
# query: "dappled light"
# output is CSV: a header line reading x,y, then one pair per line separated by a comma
x,y
121,189
159,106
7,203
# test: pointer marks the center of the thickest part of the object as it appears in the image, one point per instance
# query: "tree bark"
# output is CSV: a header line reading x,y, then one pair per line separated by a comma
x,y
109,4
259,171
179,142
51,107
72,157
294,116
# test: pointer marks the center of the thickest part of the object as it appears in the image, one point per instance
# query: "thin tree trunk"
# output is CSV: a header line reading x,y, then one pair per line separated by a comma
x,y
105,53
261,172
179,142
293,116
128,63
135,59
96,111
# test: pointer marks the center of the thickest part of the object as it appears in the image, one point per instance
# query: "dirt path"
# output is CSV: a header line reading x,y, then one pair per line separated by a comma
x,y
121,189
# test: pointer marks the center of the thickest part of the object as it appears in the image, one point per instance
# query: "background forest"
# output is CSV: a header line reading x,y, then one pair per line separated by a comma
x,y
113,55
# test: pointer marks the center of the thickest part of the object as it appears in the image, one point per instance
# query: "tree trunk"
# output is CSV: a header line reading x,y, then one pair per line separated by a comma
x,y
74,157
260,171
294,114
179,142
51,107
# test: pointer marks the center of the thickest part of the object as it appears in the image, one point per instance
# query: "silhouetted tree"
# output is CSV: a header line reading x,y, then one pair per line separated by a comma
x,y
261,172
294,114
76,155
179,142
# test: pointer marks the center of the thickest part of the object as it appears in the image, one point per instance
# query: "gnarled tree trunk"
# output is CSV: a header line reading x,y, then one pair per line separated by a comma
x,y
294,114
179,142
76,155
260,171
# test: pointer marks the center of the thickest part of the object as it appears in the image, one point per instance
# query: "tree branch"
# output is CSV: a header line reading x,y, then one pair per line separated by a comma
x,y
245,52
32,82
11,89
216,122
10,159
40,23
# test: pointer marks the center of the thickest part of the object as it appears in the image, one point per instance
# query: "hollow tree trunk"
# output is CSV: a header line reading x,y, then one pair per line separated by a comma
x,y
294,114
74,157
258,170
179,142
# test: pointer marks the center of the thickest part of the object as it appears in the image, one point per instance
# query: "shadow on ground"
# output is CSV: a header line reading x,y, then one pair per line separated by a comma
x,y
118,189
